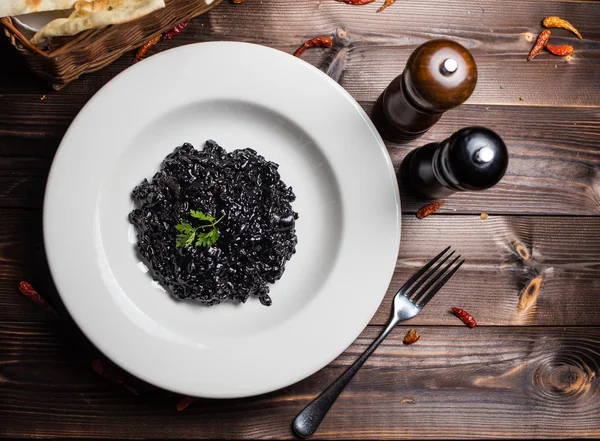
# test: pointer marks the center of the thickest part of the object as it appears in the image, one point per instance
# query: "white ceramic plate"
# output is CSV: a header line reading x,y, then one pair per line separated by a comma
x,y
240,95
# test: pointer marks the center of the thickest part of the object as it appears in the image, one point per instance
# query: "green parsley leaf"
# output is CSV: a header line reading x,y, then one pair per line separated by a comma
x,y
213,236
201,216
191,236
185,240
207,239
202,240
185,228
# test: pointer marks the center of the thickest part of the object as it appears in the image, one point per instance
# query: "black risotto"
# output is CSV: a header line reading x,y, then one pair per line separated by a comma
x,y
257,232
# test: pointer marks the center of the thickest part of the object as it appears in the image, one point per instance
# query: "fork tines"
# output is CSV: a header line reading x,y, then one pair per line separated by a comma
x,y
420,297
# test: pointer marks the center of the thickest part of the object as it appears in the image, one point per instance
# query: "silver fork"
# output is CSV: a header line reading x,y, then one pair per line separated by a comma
x,y
408,302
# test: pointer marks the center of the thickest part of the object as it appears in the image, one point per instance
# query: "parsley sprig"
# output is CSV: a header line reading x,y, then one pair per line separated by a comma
x,y
203,235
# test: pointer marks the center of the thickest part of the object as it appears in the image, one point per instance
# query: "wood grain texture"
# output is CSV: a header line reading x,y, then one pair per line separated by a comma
x,y
554,165
24,165
22,258
488,285
529,370
500,36
454,383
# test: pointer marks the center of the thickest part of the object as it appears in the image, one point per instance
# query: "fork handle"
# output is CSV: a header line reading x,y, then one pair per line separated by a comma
x,y
307,421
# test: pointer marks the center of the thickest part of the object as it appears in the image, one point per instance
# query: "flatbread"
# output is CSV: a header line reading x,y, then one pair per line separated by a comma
x,y
9,8
92,14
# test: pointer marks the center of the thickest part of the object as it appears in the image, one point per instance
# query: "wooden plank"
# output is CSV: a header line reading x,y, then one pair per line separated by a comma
x,y
35,152
22,257
29,116
490,284
454,383
564,249
500,36
21,191
553,165
515,378
24,165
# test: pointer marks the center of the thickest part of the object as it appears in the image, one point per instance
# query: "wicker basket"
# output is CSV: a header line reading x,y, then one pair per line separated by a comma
x,y
94,49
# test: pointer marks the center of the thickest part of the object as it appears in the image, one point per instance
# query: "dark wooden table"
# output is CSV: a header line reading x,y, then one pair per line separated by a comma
x,y
531,369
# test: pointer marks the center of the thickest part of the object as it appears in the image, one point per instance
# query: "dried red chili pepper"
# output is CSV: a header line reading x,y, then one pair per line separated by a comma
x,y
539,44
357,2
176,30
28,291
238,1
145,48
467,318
411,337
428,209
557,22
560,50
314,42
182,404
386,4
107,370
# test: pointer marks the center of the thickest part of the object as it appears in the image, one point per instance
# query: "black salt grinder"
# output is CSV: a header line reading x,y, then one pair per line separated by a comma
x,y
474,158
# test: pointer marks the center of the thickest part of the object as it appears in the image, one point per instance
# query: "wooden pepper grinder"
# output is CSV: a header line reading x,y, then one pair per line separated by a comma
x,y
474,158
439,75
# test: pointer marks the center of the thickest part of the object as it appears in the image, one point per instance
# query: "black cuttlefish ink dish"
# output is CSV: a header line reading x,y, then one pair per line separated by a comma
x,y
215,226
